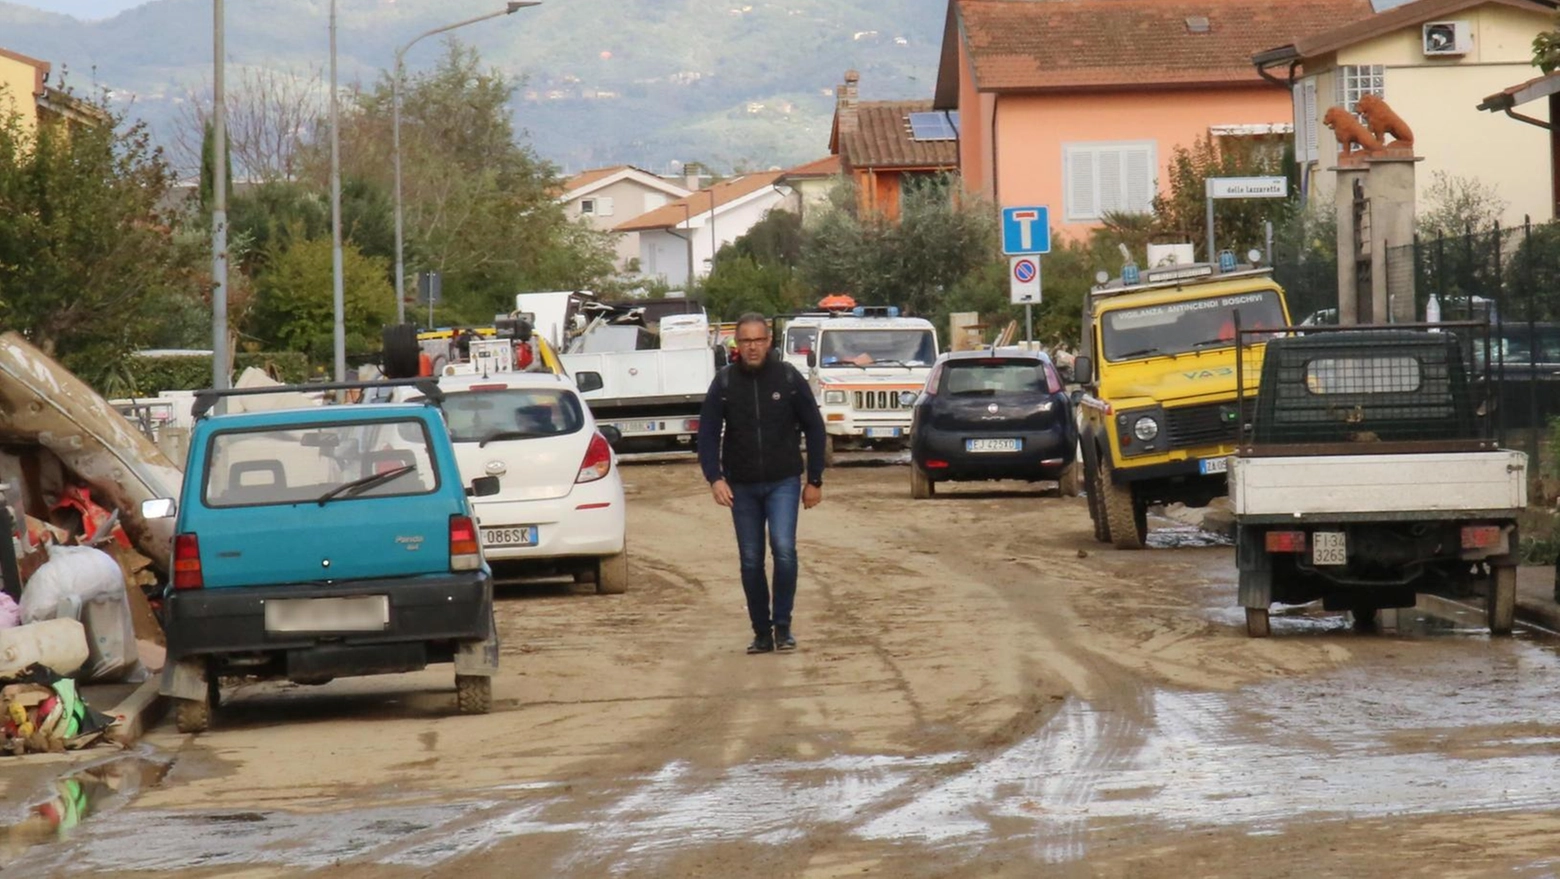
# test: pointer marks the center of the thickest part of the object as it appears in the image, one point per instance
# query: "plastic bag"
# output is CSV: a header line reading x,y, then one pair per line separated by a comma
x,y
86,584
10,612
72,572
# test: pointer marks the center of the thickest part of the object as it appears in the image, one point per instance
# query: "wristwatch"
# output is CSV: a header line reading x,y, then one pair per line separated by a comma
x,y
816,482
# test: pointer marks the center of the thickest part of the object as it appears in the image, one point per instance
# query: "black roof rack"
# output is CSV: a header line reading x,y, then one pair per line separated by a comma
x,y
208,397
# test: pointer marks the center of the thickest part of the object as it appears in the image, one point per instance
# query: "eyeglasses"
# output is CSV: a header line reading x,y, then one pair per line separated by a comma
x,y
759,341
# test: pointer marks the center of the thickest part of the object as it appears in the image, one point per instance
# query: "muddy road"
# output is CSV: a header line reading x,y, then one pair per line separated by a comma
x,y
980,690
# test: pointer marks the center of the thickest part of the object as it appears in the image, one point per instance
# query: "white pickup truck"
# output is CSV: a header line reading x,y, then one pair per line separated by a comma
x,y
1369,474
653,383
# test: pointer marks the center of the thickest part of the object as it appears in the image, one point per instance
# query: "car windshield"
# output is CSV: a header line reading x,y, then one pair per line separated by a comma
x,y
866,347
992,377
303,464
1192,325
512,413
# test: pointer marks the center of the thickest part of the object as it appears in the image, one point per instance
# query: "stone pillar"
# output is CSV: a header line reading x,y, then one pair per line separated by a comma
x,y
1354,248
1390,187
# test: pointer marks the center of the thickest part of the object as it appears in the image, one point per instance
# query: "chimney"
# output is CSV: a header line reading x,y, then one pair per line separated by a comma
x,y
845,103
691,174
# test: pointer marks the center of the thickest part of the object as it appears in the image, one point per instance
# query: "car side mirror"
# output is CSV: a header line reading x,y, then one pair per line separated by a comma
x,y
612,435
1083,369
907,398
483,486
588,381
812,360
159,508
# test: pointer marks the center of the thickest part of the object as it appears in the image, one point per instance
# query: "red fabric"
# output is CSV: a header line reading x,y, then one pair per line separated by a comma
x,y
424,364
523,355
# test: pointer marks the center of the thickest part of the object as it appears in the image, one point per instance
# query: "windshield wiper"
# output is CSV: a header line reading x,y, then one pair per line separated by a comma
x,y
358,486
1138,353
1209,342
507,434
891,363
847,363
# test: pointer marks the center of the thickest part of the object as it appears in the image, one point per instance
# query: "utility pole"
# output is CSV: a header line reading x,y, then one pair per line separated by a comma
x,y
335,211
219,249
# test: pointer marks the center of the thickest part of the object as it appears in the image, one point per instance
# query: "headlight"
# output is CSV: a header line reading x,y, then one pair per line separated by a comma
x,y
1146,429
834,398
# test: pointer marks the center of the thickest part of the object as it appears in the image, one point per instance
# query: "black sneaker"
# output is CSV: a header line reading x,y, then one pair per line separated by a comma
x,y
764,643
783,639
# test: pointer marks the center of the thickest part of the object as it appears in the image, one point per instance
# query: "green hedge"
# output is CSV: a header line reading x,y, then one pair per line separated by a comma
x,y
153,375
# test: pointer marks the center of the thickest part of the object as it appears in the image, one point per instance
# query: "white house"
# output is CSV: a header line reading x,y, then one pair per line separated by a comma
x,y
606,196
690,230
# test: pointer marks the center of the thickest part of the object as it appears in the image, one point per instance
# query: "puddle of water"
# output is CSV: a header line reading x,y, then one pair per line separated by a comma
x,y
71,799
1183,537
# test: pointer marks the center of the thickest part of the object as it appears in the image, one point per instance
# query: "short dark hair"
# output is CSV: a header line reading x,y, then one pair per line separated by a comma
x,y
753,317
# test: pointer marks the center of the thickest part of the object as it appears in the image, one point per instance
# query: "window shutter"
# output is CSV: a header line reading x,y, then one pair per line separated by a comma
x,y
1112,181
604,206
1081,189
1311,146
1137,166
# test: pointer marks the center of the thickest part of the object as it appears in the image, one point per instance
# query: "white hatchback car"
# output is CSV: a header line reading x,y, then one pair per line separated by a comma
x,y
559,507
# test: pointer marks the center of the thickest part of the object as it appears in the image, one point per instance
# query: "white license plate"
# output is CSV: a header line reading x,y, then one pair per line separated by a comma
x,y
359,613
876,432
628,427
520,535
1213,465
1329,548
993,445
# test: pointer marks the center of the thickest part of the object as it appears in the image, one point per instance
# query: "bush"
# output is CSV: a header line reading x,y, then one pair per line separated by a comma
x,y
150,376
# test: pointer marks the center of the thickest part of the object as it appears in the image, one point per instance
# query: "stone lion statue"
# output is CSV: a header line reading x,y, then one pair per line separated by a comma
x,y
1383,121
1349,131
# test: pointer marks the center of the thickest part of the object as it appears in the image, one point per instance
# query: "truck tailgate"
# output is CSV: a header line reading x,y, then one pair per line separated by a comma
x,y
1425,482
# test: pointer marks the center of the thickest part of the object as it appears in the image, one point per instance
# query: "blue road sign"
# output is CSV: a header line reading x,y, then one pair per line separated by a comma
x,y
1026,230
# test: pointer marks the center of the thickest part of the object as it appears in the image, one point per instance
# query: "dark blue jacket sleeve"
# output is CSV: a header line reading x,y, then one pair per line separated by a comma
x,y
812,425
712,416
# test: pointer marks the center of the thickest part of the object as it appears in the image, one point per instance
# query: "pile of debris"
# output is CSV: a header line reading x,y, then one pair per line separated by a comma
x,y
80,570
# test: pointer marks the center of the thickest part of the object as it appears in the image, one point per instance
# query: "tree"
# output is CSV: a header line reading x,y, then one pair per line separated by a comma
x,y
1455,205
1181,205
88,261
295,309
270,113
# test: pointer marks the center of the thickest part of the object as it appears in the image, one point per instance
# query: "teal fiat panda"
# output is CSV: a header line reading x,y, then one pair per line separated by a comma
x,y
322,541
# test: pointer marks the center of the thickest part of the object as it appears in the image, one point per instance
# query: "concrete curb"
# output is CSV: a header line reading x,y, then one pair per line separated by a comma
x,y
138,712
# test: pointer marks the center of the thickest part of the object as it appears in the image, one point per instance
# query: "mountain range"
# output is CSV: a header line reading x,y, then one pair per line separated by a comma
x,y
728,83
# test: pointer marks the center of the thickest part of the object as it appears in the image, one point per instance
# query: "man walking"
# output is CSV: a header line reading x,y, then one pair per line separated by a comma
x,y
750,432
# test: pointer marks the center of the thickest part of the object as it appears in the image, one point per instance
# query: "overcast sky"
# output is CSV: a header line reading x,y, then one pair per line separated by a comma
x,y
83,9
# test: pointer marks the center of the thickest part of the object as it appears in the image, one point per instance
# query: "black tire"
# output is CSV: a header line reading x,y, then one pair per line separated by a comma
x,y
921,487
612,574
1257,625
192,715
1096,509
1128,519
473,694
401,352
1500,607
828,451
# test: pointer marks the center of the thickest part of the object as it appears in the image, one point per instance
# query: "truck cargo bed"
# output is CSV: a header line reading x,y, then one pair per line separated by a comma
x,y
1428,485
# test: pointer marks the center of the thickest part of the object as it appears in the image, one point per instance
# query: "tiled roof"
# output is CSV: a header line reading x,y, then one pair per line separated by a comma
x,y
671,215
825,167
1361,28
1522,92
586,178
1021,45
882,139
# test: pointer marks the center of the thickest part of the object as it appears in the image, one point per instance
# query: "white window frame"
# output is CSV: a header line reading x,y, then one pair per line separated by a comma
x,y
1072,155
1353,81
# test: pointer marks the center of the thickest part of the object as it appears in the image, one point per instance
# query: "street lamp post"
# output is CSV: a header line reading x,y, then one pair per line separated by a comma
x,y
395,101
688,238
219,250
338,283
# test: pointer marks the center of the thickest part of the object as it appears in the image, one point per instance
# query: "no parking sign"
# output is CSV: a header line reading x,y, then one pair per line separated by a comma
x,y
1024,279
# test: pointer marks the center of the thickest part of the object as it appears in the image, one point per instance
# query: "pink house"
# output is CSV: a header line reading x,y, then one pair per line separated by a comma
x,y
1078,105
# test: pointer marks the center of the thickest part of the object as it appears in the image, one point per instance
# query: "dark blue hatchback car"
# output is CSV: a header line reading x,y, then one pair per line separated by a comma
x,y
994,413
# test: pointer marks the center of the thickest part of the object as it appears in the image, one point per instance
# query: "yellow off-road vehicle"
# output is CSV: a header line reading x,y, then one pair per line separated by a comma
x,y
1160,412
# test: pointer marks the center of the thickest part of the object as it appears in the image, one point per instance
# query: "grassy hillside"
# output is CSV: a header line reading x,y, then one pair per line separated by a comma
x,y
642,81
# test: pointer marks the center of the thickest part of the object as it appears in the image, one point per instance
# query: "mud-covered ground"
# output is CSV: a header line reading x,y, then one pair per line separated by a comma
x,y
981,690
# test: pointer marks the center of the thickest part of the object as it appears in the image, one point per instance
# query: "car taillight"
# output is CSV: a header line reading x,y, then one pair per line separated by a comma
x,y
936,464
1285,541
691,425
1480,536
598,460
186,563
465,551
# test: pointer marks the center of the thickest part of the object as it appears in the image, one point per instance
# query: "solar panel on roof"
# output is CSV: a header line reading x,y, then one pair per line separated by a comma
x,y
932,126
953,119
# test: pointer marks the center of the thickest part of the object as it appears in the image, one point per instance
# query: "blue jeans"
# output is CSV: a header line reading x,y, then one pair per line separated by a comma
x,y
753,505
